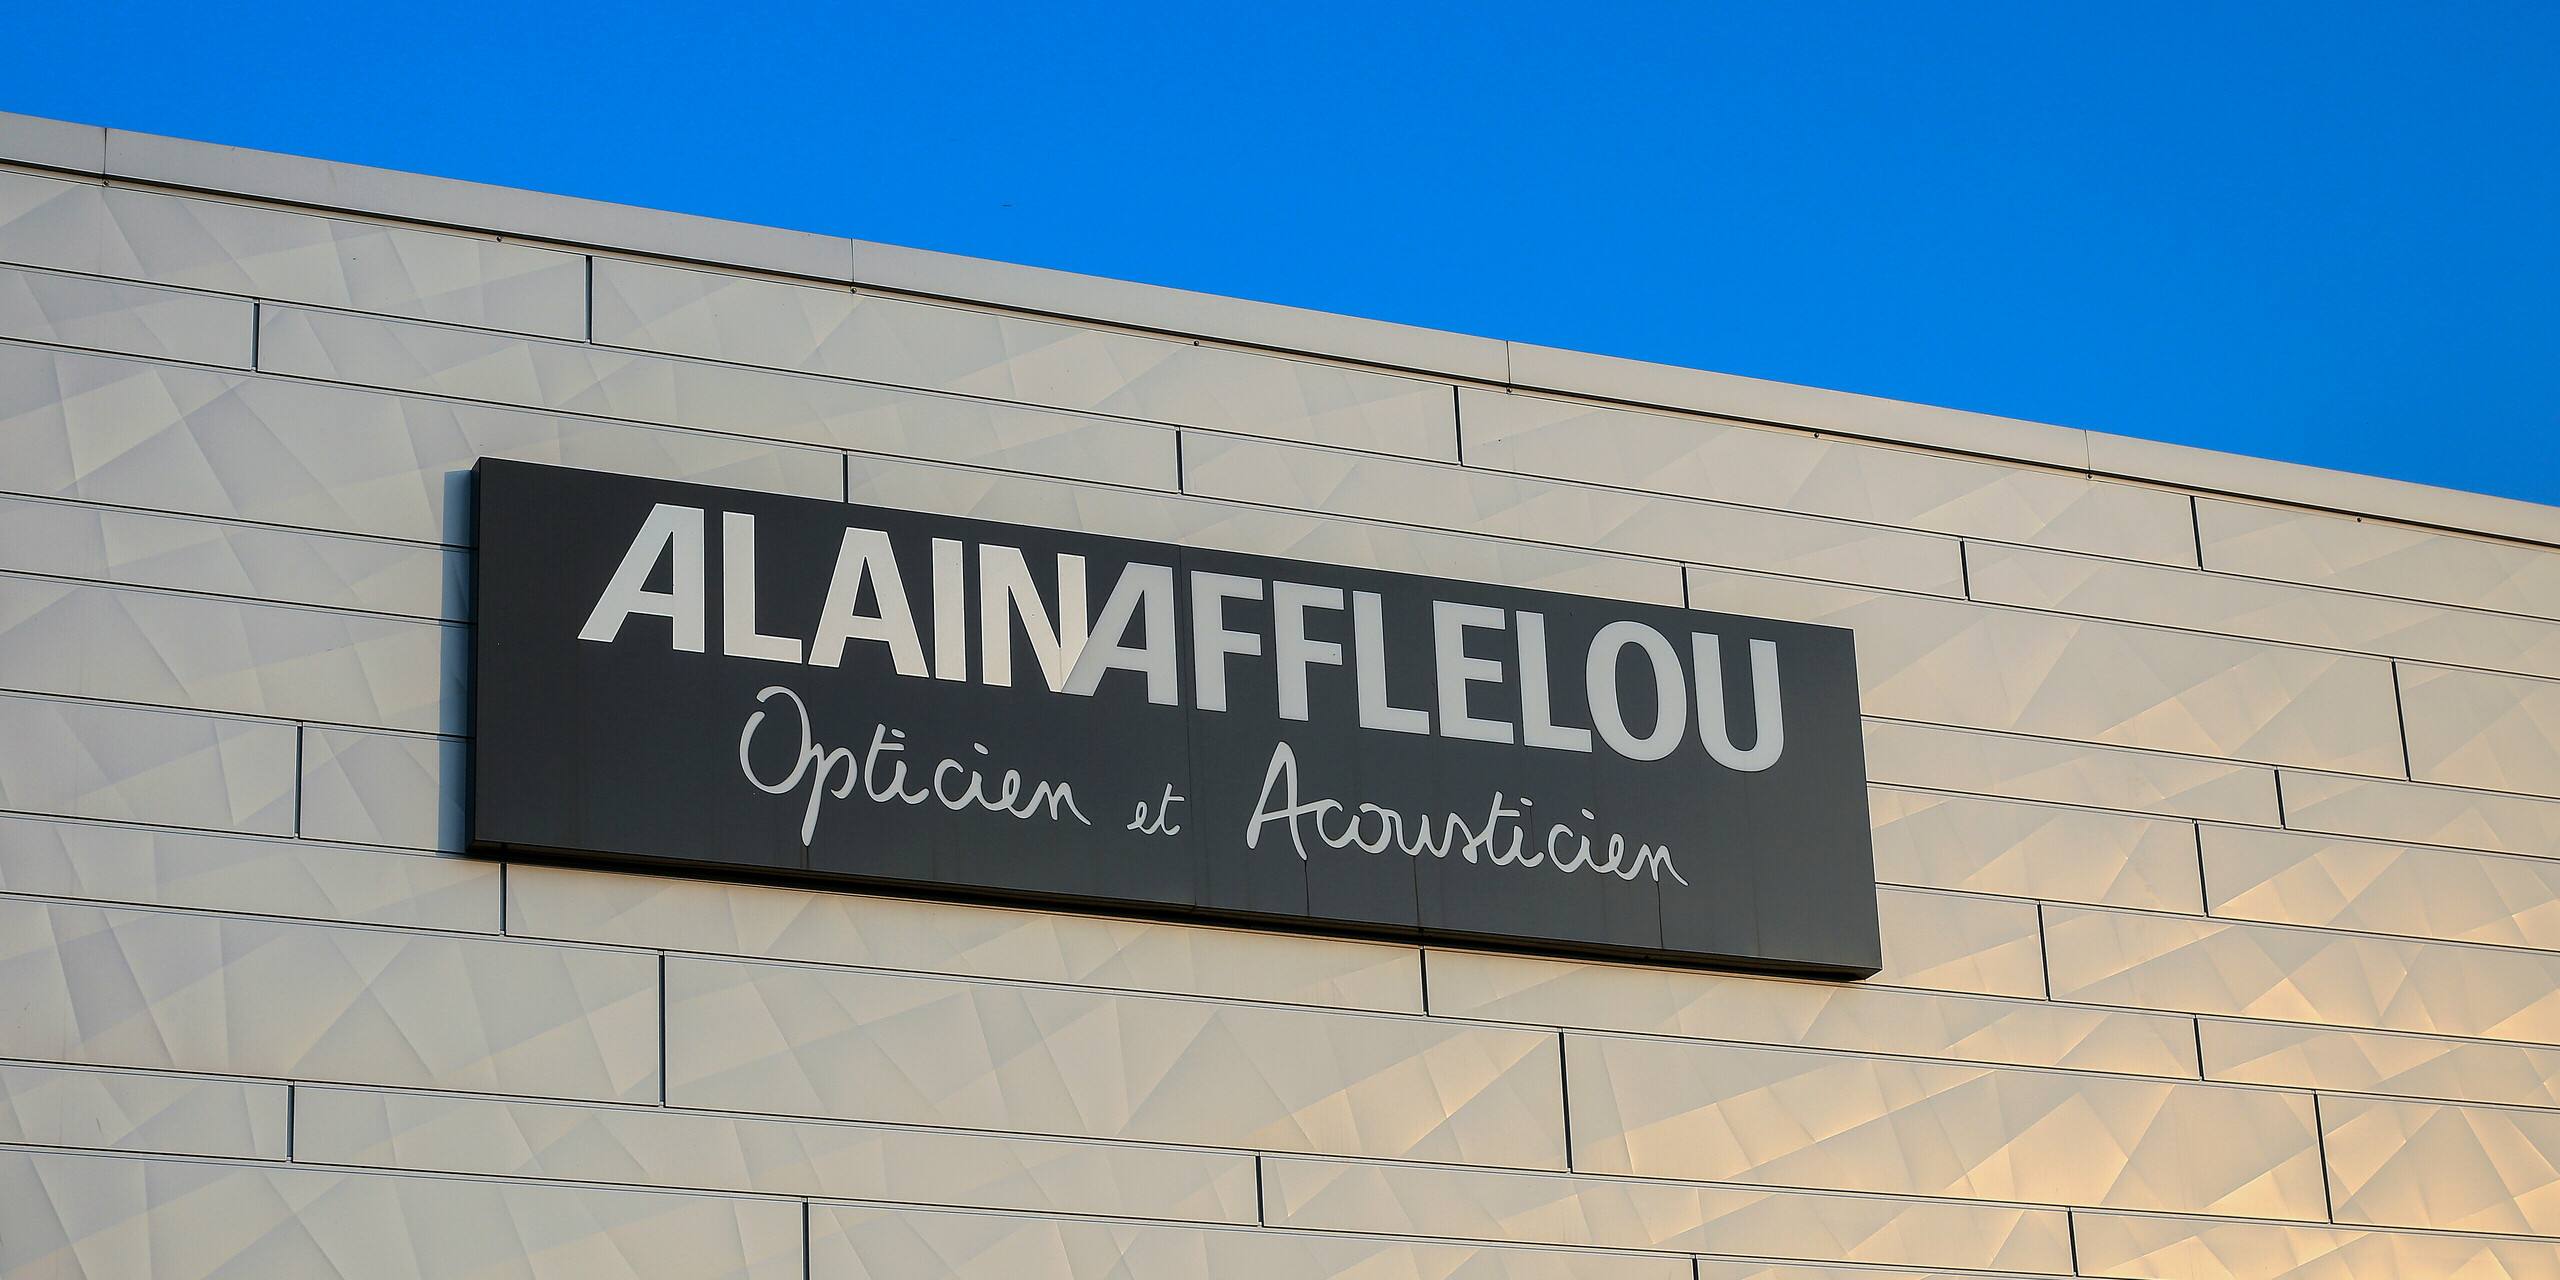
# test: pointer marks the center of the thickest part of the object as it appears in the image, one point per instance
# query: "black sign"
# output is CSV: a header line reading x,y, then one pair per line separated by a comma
x,y
688,675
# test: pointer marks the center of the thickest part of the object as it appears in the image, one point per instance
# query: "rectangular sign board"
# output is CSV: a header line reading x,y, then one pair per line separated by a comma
x,y
681,675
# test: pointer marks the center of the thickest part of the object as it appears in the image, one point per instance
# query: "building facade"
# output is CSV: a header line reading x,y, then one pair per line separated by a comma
x,y
2215,802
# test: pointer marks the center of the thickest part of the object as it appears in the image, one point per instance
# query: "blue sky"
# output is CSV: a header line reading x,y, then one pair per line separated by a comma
x,y
2328,234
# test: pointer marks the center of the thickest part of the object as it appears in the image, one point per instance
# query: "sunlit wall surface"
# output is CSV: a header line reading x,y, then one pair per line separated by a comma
x,y
2216,802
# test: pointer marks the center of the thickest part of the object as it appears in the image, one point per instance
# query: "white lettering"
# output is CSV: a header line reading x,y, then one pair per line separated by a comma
x,y
864,555
1211,641
1369,643
1537,704
1449,626
1769,726
1005,592
1671,693
1141,586
1291,650
670,531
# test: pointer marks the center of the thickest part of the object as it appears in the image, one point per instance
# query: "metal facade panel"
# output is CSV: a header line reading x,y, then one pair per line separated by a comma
x,y
1000,357
317,1002
988,495
2258,609
1974,666
758,1037
660,1147
1959,942
2302,975
272,253
2282,877
2033,851
2418,814
125,1111
287,566
1375,488
206,654
2415,1164
501,369
382,788
97,1216
107,315
989,942
1518,1208
1793,471
856,1242
178,439
2008,766
2383,559
1857,1018
1664,1109
2155,1248
267,876
2301,1057
2476,729
129,764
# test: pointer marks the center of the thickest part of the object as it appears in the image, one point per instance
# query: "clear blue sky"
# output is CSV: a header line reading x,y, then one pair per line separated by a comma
x,y
2324,233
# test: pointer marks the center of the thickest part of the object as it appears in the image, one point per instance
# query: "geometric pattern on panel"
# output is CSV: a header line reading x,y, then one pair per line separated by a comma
x,y
758,1037
2408,1164
2475,729
77,312
1713,1112
135,765
83,1217
2371,555
178,1115
171,438
294,257
2303,975
277,877
1365,486
2147,1248
2285,878
1728,462
300,1001
1481,1204
283,566
609,383
940,348
2375,1062
2033,851
987,495
228,655
848,1242
382,788
965,940
2002,765
671,1148
1859,1019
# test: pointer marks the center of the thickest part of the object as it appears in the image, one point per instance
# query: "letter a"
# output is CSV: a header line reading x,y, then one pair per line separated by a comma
x,y
668,528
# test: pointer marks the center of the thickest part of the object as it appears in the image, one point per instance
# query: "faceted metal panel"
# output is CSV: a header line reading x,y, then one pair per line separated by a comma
x,y
1476,501
2421,814
606,383
1949,662
178,439
2033,851
317,1002
76,311
156,867
2262,610
1992,764
990,942
989,495
2385,559
2301,975
124,1111
207,654
221,558
2303,1057
292,257
1520,1208
83,1217
2289,878
587,1143
2415,1164
871,1046
856,1242
84,760
1726,1269
2148,1248
1958,942
1792,471
2474,729
1858,1018
1664,1108
977,353
382,788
